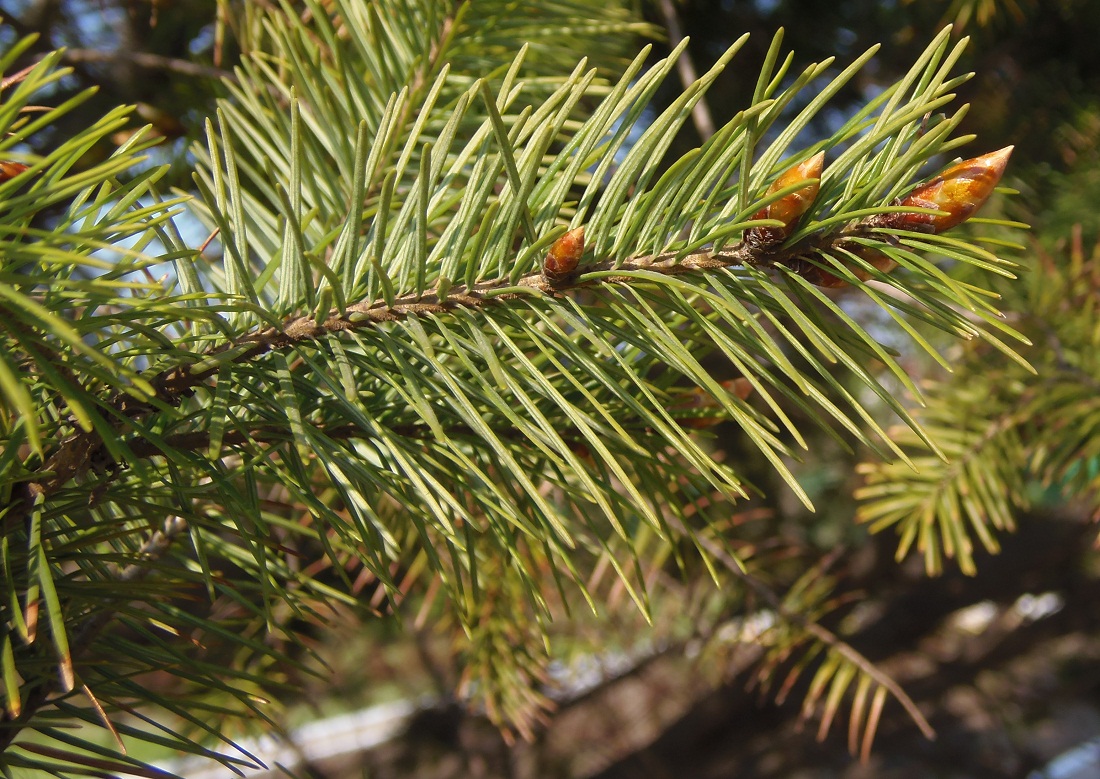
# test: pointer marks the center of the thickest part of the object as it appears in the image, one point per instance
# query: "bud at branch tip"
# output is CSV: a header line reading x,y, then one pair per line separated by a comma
x,y
959,191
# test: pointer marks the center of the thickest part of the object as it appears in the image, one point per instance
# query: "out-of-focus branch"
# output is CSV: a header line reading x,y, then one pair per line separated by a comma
x,y
144,59
700,113
822,634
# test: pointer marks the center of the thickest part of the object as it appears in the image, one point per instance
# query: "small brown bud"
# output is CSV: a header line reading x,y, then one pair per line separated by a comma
x,y
739,387
817,276
876,258
580,448
823,278
789,208
960,191
561,261
9,170
698,399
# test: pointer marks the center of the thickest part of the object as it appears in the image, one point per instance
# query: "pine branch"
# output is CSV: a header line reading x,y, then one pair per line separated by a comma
x,y
1001,426
405,357
84,450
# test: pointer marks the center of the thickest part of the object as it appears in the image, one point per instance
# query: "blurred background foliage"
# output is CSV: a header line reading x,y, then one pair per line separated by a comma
x,y
1010,683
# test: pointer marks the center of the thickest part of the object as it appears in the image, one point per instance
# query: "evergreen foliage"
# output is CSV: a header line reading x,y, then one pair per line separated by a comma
x,y
1004,426
366,385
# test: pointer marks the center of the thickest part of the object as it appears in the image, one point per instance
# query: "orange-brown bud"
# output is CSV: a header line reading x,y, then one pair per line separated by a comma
x,y
739,387
959,191
563,256
699,399
9,170
582,451
821,277
878,259
789,208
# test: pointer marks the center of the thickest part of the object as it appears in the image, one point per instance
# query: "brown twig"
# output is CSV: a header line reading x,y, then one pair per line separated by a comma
x,y
15,78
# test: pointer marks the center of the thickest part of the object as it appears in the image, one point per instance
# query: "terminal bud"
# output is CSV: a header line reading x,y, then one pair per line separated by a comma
x,y
959,191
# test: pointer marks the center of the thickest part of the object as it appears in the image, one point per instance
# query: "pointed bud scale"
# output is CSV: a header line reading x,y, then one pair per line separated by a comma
x,y
960,191
789,208
563,256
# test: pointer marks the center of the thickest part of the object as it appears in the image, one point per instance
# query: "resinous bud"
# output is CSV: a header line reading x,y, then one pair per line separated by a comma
x,y
876,258
789,208
821,277
816,275
563,256
9,170
959,191
697,399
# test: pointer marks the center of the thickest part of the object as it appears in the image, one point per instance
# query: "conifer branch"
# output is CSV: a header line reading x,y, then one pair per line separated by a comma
x,y
85,449
473,390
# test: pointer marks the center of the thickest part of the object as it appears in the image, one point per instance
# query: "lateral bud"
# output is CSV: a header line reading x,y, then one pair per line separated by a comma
x,y
9,170
789,208
820,277
689,408
561,261
959,191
